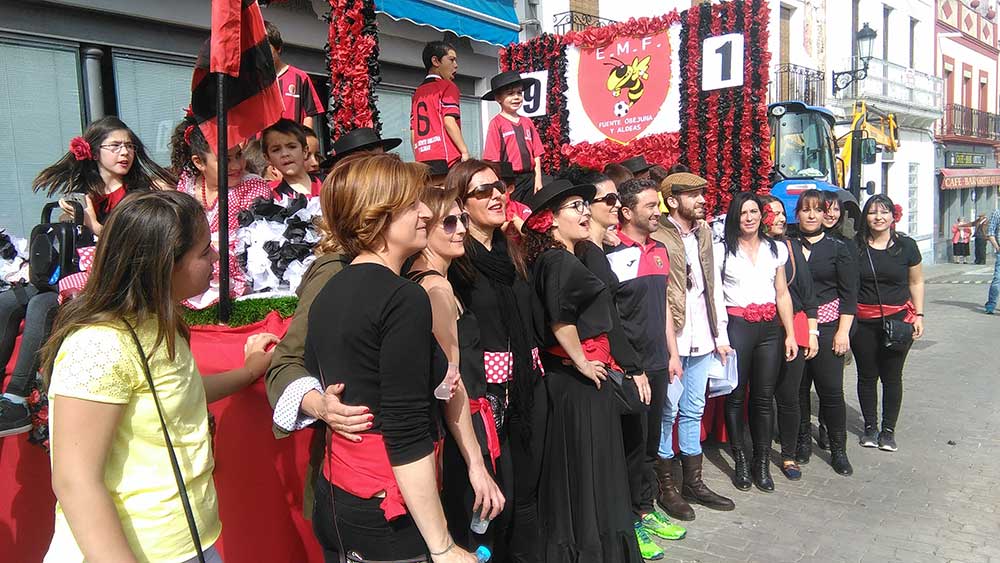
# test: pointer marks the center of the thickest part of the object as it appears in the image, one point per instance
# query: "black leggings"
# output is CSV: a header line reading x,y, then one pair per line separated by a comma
x,y
759,354
826,370
877,362
524,541
37,309
786,394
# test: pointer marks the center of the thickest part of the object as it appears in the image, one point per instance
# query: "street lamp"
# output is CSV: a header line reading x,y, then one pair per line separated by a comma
x,y
865,37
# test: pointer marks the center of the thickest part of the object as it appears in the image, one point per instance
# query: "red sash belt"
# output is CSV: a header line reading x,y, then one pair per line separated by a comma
x,y
596,349
363,469
868,312
754,312
485,410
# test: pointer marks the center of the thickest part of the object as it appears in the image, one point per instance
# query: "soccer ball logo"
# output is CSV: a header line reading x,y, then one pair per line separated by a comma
x,y
621,108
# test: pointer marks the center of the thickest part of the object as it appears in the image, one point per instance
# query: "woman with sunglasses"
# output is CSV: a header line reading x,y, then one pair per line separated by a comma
x,y
489,280
756,293
471,446
584,454
800,288
835,280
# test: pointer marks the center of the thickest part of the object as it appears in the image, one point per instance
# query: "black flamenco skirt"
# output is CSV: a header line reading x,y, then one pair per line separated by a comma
x,y
584,499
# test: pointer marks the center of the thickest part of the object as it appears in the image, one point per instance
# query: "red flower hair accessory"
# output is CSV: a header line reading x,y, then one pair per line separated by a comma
x,y
540,222
187,134
80,149
188,112
897,213
769,217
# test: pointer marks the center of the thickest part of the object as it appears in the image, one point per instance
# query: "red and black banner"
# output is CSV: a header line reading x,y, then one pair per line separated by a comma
x,y
239,49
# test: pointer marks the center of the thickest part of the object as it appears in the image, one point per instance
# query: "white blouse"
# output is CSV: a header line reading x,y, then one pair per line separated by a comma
x,y
745,282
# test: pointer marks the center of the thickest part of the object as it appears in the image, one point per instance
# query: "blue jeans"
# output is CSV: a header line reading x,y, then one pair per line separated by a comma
x,y
991,300
688,408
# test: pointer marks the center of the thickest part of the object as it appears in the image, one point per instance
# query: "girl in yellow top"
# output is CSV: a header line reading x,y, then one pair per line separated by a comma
x,y
111,472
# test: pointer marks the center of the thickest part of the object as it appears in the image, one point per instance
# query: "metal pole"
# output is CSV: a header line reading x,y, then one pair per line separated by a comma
x,y
225,306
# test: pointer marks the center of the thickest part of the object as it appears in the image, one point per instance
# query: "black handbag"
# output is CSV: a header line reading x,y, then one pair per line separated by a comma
x,y
897,335
188,513
626,393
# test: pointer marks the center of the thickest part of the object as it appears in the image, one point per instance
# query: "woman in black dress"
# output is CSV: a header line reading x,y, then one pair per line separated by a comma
x,y
378,498
490,281
584,501
835,281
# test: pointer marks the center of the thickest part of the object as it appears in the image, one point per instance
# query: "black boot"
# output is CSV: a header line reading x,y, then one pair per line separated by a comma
x,y
838,454
669,498
762,469
822,438
695,490
803,446
741,469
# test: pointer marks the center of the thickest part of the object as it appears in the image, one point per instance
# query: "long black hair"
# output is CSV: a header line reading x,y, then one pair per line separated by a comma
x,y
732,225
69,175
865,232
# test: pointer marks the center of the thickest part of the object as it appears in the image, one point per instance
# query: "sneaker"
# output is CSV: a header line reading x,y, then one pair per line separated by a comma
x,y
647,548
14,418
658,524
870,438
887,441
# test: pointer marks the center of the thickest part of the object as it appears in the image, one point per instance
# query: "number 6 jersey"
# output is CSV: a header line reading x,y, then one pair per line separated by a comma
x,y
432,101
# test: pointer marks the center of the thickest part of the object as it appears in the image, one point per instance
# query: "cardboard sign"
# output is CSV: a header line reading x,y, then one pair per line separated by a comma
x,y
534,93
722,62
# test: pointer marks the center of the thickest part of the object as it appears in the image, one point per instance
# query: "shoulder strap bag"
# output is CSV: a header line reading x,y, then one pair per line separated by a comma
x,y
898,335
188,513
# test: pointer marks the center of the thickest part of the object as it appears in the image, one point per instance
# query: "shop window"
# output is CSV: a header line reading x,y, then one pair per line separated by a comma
x,y
152,93
40,111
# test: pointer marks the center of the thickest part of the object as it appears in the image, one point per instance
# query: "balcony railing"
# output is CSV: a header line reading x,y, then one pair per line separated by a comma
x,y
961,121
577,21
895,84
796,83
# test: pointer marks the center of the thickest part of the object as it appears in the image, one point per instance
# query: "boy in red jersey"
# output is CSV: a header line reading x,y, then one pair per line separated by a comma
x,y
284,145
512,137
435,115
297,91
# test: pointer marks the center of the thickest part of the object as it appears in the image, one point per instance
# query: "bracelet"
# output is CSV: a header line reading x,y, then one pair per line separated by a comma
x,y
451,544
920,314
814,332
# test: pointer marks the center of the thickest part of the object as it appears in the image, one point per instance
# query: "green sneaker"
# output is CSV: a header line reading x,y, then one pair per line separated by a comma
x,y
647,548
657,524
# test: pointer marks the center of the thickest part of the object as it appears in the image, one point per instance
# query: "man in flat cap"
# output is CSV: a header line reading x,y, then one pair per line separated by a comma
x,y
697,309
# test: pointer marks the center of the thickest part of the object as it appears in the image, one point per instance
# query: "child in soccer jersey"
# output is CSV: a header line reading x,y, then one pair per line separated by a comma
x,y
512,137
297,91
435,114
285,146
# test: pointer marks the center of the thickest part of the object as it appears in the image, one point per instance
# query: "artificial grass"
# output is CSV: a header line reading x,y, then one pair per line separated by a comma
x,y
244,312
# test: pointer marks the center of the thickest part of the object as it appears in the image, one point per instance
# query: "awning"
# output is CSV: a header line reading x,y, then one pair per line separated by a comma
x,y
491,21
957,178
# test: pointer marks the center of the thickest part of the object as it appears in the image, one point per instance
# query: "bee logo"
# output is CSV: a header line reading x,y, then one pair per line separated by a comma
x,y
629,77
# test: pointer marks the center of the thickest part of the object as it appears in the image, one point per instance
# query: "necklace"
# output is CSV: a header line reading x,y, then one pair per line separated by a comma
x,y
204,194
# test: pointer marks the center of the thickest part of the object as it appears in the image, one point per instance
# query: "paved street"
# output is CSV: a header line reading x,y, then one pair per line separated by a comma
x,y
936,499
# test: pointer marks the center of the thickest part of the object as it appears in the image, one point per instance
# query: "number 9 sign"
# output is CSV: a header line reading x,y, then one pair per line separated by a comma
x,y
535,88
722,62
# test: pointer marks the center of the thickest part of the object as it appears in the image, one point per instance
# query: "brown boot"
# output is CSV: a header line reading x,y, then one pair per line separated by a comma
x,y
669,498
695,490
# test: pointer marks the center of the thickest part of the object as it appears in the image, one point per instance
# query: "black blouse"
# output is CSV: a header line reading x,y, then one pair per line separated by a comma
x,y
382,348
800,281
622,351
571,294
893,268
835,273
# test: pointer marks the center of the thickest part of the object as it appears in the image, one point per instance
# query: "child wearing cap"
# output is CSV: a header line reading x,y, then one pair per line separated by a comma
x,y
512,137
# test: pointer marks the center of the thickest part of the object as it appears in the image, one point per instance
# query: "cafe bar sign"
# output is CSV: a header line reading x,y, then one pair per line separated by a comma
x,y
964,159
955,179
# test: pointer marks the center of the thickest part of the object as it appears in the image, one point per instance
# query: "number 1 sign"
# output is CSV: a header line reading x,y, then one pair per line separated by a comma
x,y
722,62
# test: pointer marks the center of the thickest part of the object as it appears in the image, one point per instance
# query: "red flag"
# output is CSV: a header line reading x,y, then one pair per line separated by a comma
x,y
239,49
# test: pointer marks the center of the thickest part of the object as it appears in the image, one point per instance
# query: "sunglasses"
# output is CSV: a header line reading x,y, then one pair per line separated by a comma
x,y
610,199
486,190
450,222
581,206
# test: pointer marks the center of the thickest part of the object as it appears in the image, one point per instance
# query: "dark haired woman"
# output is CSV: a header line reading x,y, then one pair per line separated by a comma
x,y
122,335
800,289
103,165
892,287
197,168
756,293
584,456
489,279
835,279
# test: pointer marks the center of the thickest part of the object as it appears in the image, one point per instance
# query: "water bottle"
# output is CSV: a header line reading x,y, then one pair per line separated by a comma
x,y
479,524
483,553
